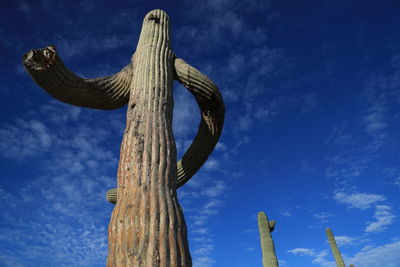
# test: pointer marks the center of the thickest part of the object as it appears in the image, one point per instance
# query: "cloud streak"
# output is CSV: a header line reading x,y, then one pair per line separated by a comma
x,y
361,201
383,216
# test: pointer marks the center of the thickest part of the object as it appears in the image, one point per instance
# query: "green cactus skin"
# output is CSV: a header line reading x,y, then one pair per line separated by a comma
x,y
111,195
334,248
351,265
267,244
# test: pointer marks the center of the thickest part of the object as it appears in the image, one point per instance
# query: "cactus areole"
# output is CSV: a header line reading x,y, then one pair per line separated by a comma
x,y
147,226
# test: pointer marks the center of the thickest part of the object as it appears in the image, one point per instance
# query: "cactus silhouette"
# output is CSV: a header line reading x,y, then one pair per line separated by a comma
x,y
267,244
147,226
334,248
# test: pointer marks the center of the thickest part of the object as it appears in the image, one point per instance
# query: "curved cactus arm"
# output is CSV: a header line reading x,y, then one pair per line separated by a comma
x,y
334,248
267,244
47,69
212,110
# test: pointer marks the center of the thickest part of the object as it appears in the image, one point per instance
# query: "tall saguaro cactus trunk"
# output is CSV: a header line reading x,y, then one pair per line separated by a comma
x,y
147,226
267,244
334,248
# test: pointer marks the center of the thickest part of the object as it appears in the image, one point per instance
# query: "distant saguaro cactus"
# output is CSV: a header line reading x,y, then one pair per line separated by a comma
x,y
147,226
334,248
267,244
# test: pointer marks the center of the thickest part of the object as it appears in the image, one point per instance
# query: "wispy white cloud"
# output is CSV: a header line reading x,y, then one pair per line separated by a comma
x,y
286,213
387,255
249,249
302,252
320,259
358,200
397,181
202,248
384,217
282,262
186,118
371,256
323,216
24,138
342,240
211,165
215,190
78,46
375,120
250,231
64,201
202,199
203,262
383,213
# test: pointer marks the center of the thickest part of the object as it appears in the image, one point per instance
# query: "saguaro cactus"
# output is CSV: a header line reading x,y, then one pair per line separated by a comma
x,y
267,244
334,248
147,226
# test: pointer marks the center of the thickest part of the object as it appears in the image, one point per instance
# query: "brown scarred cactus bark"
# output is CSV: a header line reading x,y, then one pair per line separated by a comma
x,y
147,226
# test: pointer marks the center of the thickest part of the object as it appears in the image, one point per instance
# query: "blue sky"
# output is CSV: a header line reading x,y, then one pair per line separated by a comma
x,y
312,95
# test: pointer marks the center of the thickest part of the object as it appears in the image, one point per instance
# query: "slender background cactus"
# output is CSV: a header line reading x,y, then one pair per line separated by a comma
x,y
147,227
267,244
334,248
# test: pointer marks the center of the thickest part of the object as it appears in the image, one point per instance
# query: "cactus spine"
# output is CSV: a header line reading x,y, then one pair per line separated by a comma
x,y
147,226
267,244
334,248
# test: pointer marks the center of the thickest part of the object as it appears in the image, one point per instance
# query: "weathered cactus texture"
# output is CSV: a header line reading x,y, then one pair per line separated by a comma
x,y
210,102
147,226
267,244
334,248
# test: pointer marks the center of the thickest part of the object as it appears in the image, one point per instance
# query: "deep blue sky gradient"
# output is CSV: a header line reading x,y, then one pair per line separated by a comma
x,y
312,95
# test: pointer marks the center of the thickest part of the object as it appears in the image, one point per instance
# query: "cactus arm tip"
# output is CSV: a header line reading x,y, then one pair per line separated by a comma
x,y
111,195
47,69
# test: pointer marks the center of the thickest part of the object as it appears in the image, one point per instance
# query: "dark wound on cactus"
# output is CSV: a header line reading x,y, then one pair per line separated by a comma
x,y
148,174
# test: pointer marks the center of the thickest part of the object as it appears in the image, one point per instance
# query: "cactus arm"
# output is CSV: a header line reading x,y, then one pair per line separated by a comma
x,y
212,110
267,244
272,225
111,195
47,69
334,248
